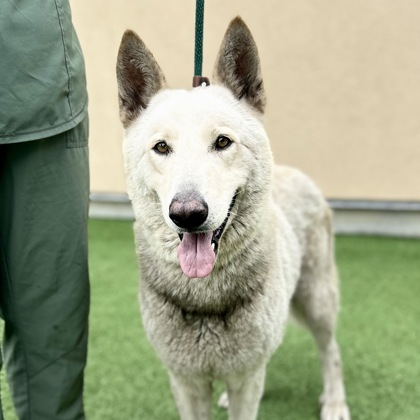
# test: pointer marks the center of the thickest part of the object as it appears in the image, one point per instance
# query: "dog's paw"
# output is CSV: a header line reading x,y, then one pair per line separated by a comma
x,y
335,410
223,400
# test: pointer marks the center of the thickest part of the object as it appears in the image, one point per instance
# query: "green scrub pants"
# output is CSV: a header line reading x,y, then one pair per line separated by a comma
x,y
44,280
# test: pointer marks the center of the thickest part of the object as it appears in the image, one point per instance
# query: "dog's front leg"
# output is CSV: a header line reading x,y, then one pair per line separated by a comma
x,y
244,394
192,396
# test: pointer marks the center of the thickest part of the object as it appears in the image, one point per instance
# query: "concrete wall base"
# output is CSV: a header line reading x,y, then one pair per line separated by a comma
x,y
351,217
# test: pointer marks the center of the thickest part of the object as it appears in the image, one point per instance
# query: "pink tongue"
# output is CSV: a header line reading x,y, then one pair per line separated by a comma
x,y
196,255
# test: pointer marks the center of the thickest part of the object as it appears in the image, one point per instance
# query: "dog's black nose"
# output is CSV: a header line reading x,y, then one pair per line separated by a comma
x,y
188,211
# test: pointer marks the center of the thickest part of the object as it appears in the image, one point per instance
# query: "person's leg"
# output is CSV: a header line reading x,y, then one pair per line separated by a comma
x,y
44,285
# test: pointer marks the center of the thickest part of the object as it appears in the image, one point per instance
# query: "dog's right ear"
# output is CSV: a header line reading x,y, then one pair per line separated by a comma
x,y
139,77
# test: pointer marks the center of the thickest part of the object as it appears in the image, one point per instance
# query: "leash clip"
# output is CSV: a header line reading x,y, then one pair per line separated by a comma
x,y
200,81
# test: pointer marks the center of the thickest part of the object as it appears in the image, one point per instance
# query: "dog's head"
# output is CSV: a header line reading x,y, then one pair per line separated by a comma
x,y
195,153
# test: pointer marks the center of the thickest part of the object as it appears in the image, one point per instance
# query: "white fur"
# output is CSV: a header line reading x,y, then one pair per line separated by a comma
x,y
276,252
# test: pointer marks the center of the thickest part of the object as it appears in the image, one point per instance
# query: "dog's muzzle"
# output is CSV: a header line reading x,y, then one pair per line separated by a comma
x,y
197,250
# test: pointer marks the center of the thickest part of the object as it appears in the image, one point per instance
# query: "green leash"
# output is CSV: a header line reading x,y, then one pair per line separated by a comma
x,y
198,79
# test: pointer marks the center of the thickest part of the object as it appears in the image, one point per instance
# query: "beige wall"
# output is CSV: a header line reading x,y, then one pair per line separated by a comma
x,y
342,79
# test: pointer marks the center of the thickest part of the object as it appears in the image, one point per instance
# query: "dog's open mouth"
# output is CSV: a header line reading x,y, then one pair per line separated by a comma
x,y
197,251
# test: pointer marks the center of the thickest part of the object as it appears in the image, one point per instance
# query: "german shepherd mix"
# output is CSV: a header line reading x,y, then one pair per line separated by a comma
x,y
227,241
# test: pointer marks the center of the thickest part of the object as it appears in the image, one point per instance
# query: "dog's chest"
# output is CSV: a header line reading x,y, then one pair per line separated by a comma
x,y
213,345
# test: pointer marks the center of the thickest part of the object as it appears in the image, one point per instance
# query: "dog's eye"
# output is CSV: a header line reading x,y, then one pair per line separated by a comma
x,y
161,148
222,142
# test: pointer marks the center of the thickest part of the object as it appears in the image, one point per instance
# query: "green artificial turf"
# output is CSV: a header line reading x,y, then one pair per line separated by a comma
x,y
379,333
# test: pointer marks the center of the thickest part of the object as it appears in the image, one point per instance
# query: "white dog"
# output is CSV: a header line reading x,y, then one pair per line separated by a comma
x,y
227,242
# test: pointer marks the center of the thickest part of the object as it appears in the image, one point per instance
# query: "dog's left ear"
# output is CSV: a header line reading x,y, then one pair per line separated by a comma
x,y
238,65
139,77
